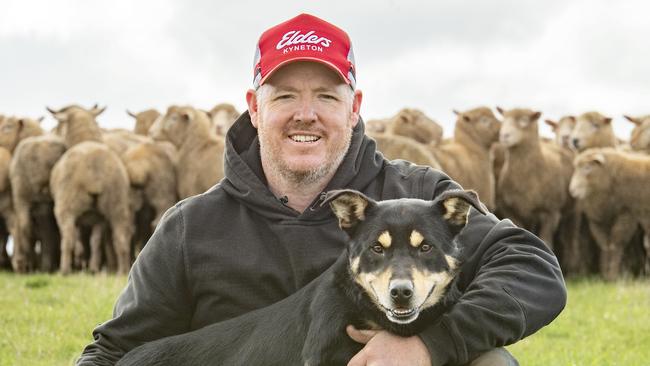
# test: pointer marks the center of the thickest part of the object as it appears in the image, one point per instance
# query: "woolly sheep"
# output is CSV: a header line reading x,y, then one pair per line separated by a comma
x,y
144,120
222,116
640,136
592,129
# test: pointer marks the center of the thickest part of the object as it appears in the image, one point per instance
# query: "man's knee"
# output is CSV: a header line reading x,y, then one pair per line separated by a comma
x,y
495,357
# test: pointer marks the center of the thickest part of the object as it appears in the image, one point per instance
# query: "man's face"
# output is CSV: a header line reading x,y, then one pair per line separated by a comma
x,y
304,116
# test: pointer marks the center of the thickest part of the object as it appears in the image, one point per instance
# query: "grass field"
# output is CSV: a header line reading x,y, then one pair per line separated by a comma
x,y
46,320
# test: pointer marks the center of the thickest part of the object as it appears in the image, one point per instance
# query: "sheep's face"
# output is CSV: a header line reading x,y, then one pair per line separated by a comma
x,y
9,130
592,130
483,123
519,125
589,174
640,137
563,131
222,117
175,124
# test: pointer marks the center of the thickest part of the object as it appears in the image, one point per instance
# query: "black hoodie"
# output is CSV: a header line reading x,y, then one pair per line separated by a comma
x,y
237,247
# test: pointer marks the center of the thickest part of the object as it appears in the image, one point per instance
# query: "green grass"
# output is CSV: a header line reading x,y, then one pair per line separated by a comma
x,y
47,320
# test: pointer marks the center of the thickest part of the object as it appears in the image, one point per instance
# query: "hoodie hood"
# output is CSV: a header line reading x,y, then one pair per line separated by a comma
x,y
245,180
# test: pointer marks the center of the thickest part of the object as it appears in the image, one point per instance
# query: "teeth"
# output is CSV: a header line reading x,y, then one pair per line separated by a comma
x,y
304,138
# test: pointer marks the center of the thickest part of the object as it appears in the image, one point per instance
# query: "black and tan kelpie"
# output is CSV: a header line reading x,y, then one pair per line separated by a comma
x,y
400,259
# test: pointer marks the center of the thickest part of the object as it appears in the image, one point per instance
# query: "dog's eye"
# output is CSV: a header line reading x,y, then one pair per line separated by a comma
x,y
377,248
425,248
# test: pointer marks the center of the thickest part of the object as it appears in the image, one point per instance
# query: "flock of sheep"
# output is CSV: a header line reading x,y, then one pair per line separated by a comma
x,y
81,197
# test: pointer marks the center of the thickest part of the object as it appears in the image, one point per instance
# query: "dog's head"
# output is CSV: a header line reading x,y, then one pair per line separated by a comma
x,y
402,252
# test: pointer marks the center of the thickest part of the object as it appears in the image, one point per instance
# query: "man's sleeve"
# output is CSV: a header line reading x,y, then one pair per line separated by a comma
x,y
513,286
155,302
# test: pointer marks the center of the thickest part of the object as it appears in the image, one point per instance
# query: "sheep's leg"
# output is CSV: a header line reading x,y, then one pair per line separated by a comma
x,y
69,237
23,250
109,252
50,242
622,232
96,248
121,231
549,223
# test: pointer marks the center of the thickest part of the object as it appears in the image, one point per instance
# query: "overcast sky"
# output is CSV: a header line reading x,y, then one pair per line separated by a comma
x,y
559,57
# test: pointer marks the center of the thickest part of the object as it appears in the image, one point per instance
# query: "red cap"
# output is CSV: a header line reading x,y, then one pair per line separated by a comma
x,y
304,38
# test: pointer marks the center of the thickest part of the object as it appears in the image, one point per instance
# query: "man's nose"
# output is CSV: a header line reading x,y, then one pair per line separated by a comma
x,y
306,112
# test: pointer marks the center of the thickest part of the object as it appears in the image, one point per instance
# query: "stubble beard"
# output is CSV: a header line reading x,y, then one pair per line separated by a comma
x,y
272,155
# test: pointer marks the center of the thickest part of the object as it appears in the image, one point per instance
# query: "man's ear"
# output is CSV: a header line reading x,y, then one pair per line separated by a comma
x,y
253,111
357,98
349,206
455,204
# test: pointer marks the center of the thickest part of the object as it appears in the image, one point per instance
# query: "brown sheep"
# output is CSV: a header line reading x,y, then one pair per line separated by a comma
x,y
29,173
90,187
144,120
400,147
416,125
592,129
466,157
200,151
612,187
151,172
562,130
640,136
222,116
14,129
533,183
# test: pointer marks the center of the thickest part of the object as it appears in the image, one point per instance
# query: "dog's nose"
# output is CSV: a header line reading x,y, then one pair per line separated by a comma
x,y
401,291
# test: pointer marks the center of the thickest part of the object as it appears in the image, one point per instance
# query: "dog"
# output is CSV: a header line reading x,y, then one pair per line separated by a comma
x,y
400,259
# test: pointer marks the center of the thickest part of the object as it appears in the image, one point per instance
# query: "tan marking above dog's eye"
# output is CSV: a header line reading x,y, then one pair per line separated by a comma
x,y
416,238
385,239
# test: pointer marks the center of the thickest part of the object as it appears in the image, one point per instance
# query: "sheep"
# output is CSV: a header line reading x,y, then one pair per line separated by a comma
x,y
592,129
6,208
375,126
14,129
200,151
612,186
90,187
29,173
533,184
144,120
400,147
640,136
466,157
415,124
151,172
120,140
222,116
563,129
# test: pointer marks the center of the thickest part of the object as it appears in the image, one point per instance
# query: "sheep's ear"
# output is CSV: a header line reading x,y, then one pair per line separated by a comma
x,y
349,206
607,120
455,204
572,118
634,120
456,112
131,114
501,111
95,111
535,116
59,116
598,158
551,123
40,119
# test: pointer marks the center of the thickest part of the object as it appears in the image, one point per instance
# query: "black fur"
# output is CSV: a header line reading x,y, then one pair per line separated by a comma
x,y
308,328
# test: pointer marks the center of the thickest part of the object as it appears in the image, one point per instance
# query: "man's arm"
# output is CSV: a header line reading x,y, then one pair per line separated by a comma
x,y
155,302
514,287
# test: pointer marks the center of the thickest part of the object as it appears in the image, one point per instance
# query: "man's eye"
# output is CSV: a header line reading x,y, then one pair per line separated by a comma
x,y
328,96
284,96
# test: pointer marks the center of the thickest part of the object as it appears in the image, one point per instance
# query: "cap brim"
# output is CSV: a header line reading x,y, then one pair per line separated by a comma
x,y
304,58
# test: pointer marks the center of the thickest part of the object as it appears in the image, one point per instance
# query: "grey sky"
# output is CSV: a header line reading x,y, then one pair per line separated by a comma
x,y
560,57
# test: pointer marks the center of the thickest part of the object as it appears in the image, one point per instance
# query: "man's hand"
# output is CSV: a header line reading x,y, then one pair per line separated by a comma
x,y
386,349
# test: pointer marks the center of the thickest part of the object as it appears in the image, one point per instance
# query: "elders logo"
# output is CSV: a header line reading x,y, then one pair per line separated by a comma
x,y
307,41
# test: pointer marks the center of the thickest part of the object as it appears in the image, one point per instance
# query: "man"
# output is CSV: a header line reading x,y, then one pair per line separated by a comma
x,y
261,234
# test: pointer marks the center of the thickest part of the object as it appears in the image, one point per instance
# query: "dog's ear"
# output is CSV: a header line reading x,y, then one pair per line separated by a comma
x,y
349,206
455,204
